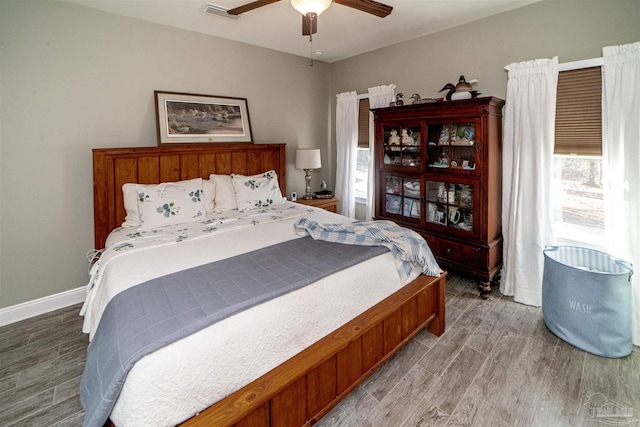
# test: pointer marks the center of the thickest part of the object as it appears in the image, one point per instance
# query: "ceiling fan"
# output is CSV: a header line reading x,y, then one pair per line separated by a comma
x,y
310,9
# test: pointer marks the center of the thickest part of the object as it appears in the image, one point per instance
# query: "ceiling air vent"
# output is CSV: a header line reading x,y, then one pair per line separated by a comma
x,y
218,10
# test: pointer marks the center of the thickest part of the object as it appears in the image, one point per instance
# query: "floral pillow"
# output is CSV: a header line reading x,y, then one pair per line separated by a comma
x,y
170,203
130,196
257,190
225,196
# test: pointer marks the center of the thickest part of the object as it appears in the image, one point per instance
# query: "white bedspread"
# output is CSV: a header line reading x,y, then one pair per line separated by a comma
x,y
177,381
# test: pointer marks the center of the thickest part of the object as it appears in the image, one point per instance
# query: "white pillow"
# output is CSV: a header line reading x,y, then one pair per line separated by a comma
x,y
170,203
130,196
257,190
225,196
209,189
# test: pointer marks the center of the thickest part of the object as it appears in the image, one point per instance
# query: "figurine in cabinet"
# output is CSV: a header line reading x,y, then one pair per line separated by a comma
x,y
412,189
394,139
393,185
406,138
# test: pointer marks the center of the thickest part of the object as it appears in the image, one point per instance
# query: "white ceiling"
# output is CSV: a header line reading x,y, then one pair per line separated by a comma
x,y
342,31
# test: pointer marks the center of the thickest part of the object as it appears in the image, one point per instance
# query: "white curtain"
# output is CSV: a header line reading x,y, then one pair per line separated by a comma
x,y
346,148
621,152
527,211
379,96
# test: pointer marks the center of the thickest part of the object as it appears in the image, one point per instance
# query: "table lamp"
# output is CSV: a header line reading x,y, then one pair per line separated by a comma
x,y
308,159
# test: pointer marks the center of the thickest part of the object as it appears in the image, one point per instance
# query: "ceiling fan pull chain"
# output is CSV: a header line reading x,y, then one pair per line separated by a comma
x,y
311,44
311,16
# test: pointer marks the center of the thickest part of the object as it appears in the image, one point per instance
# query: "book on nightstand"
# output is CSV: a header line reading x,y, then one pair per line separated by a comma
x,y
324,194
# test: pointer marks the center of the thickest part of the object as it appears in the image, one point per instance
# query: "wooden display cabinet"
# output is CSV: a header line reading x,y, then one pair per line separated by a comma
x,y
439,171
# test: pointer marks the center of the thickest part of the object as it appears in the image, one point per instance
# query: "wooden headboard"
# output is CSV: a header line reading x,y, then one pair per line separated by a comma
x,y
113,167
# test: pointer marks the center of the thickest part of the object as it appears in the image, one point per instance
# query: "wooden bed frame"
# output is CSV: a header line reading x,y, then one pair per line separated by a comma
x,y
304,388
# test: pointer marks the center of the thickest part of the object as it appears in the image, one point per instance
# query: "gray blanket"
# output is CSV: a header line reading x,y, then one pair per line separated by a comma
x,y
161,311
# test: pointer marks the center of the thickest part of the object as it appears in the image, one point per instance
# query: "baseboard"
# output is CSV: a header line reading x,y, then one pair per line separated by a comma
x,y
39,306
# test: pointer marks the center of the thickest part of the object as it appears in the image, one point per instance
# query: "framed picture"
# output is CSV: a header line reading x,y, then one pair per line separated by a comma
x,y
406,210
188,118
393,205
415,210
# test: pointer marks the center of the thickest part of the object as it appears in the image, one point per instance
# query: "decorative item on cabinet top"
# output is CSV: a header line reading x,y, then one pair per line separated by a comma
x,y
417,100
463,90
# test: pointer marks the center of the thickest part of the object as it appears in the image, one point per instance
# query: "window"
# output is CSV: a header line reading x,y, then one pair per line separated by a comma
x,y
362,163
362,173
577,184
579,205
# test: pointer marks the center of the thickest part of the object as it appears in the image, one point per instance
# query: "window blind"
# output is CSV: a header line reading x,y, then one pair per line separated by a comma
x,y
363,123
579,112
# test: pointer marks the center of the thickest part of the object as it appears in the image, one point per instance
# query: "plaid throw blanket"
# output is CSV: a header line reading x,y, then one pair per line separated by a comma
x,y
405,245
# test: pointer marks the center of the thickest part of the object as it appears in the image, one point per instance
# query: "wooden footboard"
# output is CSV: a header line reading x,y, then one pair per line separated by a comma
x,y
304,388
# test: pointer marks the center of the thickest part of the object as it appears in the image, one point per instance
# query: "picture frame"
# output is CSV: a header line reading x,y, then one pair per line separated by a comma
x,y
393,205
189,118
415,210
406,210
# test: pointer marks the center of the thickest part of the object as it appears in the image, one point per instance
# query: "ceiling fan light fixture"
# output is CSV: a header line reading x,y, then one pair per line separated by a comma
x,y
310,6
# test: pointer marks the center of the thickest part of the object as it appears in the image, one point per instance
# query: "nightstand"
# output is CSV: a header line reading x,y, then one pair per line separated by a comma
x,y
330,205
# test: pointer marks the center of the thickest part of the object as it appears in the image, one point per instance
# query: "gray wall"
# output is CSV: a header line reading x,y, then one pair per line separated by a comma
x,y
570,29
72,79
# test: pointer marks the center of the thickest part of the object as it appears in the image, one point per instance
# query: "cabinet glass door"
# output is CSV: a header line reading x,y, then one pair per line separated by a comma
x,y
452,146
450,205
402,146
402,196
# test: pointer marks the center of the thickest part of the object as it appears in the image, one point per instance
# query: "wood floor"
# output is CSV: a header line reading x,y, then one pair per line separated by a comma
x,y
496,365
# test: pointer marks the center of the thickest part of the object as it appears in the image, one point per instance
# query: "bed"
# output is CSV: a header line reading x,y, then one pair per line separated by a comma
x,y
322,366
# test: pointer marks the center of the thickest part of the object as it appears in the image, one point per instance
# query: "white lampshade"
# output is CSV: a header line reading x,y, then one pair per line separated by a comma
x,y
308,158
310,6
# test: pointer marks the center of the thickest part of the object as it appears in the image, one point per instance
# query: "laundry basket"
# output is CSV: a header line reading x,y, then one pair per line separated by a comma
x,y
586,299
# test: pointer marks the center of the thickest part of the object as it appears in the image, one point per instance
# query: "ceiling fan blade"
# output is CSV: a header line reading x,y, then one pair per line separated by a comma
x,y
309,26
250,6
369,6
